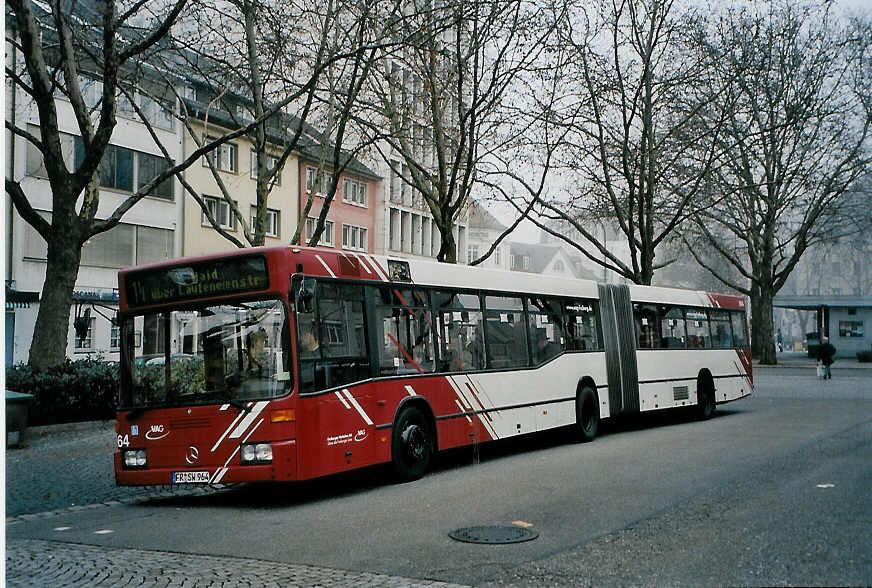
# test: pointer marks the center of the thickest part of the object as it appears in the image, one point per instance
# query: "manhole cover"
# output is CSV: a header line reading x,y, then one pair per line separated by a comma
x,y
495,534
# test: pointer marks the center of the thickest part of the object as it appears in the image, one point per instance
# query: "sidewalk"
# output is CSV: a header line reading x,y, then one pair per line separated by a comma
x,y
54,563
800,359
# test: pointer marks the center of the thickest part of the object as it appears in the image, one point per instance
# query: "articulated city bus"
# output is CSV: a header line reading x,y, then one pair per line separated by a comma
x,y
281,363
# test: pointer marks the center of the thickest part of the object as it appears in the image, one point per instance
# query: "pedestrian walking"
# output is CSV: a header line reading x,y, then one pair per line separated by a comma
x,y
825,354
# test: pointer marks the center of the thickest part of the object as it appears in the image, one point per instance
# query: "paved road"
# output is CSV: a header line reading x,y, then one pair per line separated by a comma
x,y
734,500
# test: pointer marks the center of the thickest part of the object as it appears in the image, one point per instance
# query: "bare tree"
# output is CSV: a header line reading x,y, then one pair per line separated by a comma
x,y
441,94
795,143
56,46
63,49
315,57
636,158
368,25
248,56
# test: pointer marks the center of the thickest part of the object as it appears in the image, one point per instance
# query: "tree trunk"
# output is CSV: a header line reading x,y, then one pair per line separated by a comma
x,y
448,247
762,325
49,346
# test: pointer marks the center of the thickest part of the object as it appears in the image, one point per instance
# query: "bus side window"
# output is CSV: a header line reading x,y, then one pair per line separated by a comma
x,y
672,331
647,326
720,327
332,339
404,331
506,332
697,328
461,340
740,334
545,324
580,321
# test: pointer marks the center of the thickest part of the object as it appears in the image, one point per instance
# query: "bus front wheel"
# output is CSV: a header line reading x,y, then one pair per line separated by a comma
x,y
587,414
411,444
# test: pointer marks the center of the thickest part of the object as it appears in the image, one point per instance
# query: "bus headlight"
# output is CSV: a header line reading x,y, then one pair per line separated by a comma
x,y
134,458
252,453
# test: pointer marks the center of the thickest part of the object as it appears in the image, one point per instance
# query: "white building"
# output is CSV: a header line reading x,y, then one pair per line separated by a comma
x,y
148,232
484,229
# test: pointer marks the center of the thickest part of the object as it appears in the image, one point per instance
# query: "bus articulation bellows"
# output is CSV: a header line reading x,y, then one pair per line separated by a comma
x,y
281,363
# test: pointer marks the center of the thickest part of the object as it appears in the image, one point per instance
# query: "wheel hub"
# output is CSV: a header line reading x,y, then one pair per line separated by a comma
x,y
414,442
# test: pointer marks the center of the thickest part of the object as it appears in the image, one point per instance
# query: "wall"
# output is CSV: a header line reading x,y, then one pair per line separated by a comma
x,y
849,346
200,239
26,264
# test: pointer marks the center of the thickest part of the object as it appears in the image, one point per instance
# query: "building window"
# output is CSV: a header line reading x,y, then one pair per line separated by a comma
x,y
326,236
271,162
112,248
225,156
156,113
115,169
271,222
148,168
851,329
354,192
354,237
471,253
153,244
525,260
221,212
87,343
395,183
559,267
314,181
497,257
114,337
35,165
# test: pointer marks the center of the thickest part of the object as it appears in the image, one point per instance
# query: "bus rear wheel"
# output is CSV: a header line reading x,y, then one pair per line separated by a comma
x,y
411,444
587,414
705,397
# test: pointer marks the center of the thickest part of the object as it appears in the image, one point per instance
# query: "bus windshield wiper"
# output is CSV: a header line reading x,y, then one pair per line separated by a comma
x,y
225,397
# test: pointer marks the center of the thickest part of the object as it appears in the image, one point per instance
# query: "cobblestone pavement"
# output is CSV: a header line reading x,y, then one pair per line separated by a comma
x,y
50,563
67,467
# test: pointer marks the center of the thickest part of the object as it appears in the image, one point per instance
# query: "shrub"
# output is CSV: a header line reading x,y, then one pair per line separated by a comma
x,y
81,390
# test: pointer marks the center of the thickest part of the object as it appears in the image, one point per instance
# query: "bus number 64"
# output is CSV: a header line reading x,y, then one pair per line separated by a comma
x,y
124,441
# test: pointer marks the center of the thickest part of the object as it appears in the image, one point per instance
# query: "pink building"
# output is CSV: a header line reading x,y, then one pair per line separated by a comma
x,y
351,220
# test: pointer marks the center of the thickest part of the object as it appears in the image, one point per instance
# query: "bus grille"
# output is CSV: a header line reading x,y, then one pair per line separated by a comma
x,y
680,393
191,423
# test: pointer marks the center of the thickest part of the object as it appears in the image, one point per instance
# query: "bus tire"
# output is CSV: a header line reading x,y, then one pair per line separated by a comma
x,y
411,444
705,396
587,414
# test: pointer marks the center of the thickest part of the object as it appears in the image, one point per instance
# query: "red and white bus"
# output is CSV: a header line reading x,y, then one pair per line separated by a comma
x,y
281,363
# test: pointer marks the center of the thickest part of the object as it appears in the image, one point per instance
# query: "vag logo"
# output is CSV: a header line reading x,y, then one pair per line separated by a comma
x,y
156,432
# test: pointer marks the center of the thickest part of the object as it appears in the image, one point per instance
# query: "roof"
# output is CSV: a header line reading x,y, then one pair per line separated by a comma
x,y
180,63
374,268
541,255
480,218
807,302
280,132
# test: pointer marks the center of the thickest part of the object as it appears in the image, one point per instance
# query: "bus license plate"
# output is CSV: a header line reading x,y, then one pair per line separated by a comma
x,y
191,477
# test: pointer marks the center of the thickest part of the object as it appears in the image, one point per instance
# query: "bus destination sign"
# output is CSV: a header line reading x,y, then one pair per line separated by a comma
x,y
202,279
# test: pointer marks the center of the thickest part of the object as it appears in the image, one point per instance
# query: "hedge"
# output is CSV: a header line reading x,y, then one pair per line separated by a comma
x,y
81,390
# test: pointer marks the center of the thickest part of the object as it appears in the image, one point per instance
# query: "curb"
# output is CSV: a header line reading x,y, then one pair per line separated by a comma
x,y
43,430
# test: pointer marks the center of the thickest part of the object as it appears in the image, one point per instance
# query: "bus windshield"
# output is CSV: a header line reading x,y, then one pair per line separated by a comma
x,y
229,352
